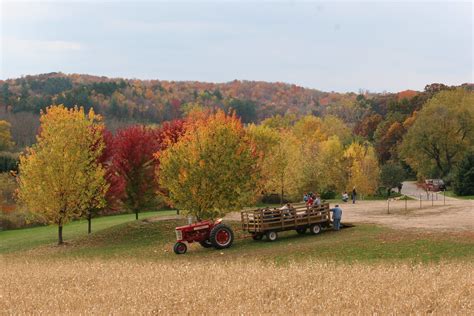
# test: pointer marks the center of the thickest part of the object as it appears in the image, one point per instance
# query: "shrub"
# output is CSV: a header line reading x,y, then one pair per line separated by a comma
x,y
328,194
8,186
19,218
8,161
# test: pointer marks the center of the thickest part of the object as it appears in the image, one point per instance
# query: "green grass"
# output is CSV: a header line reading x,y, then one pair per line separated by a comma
x,y
28,238
452,194
146,240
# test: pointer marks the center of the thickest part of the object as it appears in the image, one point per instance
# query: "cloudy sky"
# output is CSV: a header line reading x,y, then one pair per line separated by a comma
x,y
331,46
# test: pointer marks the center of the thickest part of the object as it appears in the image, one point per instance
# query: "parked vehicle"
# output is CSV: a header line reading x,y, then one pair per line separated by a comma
x,y
207,233
268,222
434,185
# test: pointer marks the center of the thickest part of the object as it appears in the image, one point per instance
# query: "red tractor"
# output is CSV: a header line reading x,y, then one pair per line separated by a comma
x,y
207,233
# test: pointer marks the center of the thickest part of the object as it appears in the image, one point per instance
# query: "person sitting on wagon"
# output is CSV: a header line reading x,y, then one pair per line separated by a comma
x,y
336,217
317,201
310,200
305,197
345,197
286,209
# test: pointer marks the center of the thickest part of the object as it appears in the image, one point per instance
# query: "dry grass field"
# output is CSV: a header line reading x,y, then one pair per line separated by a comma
x,y
128,267
241,287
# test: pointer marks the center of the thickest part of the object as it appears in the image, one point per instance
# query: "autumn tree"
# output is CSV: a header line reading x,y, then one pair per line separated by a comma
x,y
285,164
367,126
134,163
6,142
363,168
212,169
441,134
60,177
265,140
330,164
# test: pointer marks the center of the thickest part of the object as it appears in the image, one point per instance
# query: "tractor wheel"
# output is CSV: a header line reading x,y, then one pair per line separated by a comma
x,y
221,236
257,236
315,229
271,236
301,230
180,248
206,243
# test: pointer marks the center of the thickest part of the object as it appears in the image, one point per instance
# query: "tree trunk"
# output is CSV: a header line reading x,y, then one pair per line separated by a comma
x,y
60,234
282,190
388,192
89,223
136,215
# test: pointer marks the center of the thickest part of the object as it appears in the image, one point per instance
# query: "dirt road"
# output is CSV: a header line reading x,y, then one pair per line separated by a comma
x,y
456,215
411,189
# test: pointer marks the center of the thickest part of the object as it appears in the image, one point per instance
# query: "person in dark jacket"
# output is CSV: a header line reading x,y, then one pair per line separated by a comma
x,y
354,195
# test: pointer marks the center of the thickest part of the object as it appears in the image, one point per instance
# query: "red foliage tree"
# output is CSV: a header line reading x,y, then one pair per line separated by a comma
x,y
134,162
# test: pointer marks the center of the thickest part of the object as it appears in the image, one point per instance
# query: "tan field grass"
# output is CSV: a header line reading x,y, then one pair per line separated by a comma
x,y
76,286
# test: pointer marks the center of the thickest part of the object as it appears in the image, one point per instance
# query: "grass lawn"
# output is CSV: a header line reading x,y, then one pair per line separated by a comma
x,y
452,194
27,238
153,240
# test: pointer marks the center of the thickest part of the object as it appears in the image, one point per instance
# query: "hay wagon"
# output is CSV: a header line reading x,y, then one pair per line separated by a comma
x,y
268,222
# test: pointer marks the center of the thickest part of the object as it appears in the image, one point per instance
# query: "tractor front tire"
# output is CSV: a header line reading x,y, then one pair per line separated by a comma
x,y
271,236
221,236
206,243
180,248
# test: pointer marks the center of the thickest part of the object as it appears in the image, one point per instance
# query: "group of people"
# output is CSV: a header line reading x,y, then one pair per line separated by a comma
x,y
312,199
345,196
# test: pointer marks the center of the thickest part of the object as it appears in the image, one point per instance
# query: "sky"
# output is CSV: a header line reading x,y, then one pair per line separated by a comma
x,y
330,46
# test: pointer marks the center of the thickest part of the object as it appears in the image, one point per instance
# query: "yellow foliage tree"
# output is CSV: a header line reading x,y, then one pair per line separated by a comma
x,y
331,165
284,166
363,168
212,169
59,176
6,142
265,140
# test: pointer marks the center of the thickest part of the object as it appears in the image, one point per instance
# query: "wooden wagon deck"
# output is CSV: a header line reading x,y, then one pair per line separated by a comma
x,y
266,219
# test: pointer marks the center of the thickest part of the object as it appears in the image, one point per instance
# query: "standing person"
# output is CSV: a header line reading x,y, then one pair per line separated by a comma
x,y
354,195
336,217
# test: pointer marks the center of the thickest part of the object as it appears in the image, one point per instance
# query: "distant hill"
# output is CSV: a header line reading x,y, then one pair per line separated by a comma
x,y
125,101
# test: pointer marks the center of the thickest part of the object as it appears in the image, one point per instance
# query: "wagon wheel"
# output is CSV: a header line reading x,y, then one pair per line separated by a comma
x,y
271,236
301,230
180,248
257,236
221,236
315,229
206,243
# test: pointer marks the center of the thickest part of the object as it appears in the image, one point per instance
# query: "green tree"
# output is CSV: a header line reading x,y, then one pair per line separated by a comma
x,y
441,134
464,176
60,177
391,175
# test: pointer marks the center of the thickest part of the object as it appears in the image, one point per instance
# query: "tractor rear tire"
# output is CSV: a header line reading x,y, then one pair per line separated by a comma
x,y
271,236
206,243
301,230
221,236
180,248
315,229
